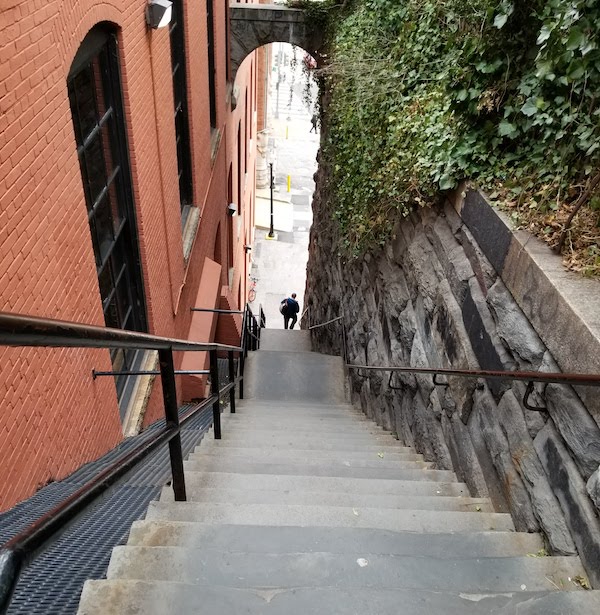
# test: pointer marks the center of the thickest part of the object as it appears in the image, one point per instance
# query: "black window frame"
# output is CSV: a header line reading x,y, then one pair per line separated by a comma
x,y
181,116
103,152
210,30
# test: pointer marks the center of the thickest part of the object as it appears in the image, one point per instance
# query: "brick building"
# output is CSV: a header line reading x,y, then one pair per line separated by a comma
x,y
121,148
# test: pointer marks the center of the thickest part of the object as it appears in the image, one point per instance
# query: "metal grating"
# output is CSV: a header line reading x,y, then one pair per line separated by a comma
x,y
54,580
51,584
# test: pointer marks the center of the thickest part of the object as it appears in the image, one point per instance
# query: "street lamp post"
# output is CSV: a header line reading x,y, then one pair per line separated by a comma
x,y
272,185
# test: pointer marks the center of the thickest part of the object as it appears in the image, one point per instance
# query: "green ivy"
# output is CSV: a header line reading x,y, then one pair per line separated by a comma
x,y
425,93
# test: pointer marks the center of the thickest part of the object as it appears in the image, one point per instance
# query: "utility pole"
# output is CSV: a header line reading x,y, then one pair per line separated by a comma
x,y
271,230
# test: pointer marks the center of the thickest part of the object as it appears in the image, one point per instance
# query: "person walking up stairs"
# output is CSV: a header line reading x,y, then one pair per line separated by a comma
x,y
306,506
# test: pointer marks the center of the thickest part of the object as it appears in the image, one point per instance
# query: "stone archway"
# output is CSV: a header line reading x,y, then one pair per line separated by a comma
x,y
254,25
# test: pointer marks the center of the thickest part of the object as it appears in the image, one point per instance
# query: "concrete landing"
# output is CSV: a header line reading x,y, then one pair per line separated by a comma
x,y
290,376
296,340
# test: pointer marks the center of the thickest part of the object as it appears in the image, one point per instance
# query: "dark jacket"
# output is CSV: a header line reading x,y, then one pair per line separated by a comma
x,y
291,307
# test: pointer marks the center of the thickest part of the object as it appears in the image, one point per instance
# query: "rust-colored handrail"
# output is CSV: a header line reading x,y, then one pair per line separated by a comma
x,y
573,379
547,377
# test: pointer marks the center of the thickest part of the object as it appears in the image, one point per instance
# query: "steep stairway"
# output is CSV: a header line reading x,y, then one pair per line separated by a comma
x,y
305,506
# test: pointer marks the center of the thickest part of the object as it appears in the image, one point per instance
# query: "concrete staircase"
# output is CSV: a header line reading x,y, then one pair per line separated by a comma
x,y
305,506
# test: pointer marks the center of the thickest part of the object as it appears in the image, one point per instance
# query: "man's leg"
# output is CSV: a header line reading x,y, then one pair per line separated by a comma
x,y
294,319
286,319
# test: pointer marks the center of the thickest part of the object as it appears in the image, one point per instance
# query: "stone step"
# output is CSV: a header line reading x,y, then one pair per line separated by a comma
x,y
284,436
205,456
310,404
120,597
326,498
365,486
307,428
265,409
260,409
341,425
307,445
208,567
213,447
331,516
223,464
282,539
241,437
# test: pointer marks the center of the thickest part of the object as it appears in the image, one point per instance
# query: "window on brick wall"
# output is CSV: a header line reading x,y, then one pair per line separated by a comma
x,y
210,29
246,136
97,112
239,167
230,218
182,124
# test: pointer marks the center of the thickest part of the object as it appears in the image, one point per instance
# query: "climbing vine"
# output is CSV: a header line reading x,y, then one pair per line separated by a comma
x,y
425,93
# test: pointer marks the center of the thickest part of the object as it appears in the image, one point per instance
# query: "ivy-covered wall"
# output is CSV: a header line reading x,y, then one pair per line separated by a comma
x,y
425,93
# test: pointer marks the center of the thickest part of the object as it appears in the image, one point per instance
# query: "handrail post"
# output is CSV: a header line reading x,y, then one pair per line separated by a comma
x,y
214,389
244,341
241,361
167,375
254,334
232,381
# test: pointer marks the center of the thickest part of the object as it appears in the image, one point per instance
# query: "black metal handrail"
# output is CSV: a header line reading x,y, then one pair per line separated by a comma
x,y
30,331
20,330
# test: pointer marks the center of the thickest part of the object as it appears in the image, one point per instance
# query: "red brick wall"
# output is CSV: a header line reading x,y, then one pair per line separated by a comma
x,y
55,417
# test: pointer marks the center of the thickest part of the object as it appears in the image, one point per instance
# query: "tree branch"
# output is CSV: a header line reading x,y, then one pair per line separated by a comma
x,y
583,198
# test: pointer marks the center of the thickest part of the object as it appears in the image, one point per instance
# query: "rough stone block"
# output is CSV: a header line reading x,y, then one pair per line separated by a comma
x,y
543,501
494,486
454,220
394,293
432,351
401,238
464,459
534,420
449,333
418,358
575,425
402,404
407,326
514,329
497,444
428,435
423,271
484,271
456,266
570,490
481,332
593,488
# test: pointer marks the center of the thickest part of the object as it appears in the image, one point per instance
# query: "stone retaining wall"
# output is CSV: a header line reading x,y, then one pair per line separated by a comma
x,y
437,297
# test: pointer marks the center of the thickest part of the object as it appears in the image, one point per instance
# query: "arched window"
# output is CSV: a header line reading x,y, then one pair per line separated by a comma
x,y
97,111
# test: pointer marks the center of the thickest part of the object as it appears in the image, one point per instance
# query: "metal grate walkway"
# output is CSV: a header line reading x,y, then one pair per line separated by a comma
x,y
53,581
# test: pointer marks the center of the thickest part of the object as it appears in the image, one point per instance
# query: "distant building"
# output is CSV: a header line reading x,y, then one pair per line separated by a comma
x,y
121,148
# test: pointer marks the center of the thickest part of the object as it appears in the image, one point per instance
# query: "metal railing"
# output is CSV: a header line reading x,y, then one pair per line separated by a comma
x,y
573,379
28,331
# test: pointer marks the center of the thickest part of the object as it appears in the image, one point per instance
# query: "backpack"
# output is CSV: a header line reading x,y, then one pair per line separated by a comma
x,y
283,307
